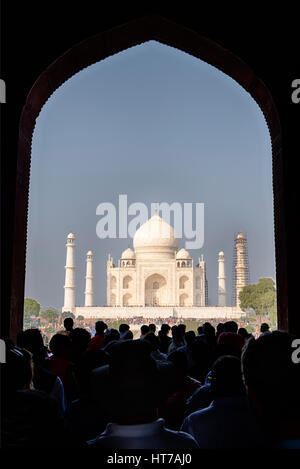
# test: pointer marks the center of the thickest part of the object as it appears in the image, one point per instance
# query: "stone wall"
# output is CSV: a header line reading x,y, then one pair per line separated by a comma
x,y
206,312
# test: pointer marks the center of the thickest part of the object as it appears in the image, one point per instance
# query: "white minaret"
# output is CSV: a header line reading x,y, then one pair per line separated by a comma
x,y
241,266
69,302
221,280
89,293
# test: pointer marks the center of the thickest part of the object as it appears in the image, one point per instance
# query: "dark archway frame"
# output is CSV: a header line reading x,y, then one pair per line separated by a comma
x,y
99,47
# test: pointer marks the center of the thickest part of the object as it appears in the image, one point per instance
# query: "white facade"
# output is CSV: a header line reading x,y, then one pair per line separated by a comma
x,y
202,312
156,273
153,280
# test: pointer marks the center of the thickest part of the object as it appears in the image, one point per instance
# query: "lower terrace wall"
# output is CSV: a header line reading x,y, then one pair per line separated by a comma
x,y
205,312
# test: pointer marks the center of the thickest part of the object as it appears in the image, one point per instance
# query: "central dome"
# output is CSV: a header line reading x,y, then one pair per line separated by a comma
x,y
155,234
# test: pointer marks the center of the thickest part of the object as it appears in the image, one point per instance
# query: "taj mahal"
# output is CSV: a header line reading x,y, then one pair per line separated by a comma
x,y
154,279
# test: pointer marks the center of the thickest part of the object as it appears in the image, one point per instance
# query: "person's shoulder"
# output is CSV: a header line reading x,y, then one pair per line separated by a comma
x,y
200,414
184,440
99,441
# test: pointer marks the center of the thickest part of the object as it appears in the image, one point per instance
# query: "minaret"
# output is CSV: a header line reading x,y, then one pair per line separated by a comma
x,y
69,301
241,266
89,293
221,280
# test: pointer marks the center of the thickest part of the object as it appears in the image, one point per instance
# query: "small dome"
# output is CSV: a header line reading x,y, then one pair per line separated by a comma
x,y
70,235
183,254
128,254
89,253
221,254
240,236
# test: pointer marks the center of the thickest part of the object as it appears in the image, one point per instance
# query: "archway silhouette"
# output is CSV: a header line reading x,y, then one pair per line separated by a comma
x,y
99,47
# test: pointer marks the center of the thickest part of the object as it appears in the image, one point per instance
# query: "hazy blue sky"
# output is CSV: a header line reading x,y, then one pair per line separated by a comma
x,y
160,126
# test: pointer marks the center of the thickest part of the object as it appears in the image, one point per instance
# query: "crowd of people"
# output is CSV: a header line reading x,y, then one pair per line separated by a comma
x,y
170,388
251,323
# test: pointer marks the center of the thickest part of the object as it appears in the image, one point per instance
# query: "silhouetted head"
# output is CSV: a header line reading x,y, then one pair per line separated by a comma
x,y
32,340
220,328
100,327
89,361
164,329
60,345
200,330
177,335
244,333
208,330
128,336
153,340
144,329
230,343
230,326
226,376
134,377
181,329
133,385
123,328
18,370
68,324
190,336
152,328
80,339
264,327
111,335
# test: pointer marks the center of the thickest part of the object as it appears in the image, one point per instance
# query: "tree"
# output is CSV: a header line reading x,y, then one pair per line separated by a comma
x,y
261,297
31,307
50,314
80,318
67,314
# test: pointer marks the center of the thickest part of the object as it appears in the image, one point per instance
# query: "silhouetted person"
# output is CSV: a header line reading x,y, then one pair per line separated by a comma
x,y
177,339
85,417
135,389
43,379
154,342
123,329
220,329
200,330
182,330
30,418
190,337
111,336
128,335
265,328
271,370
229,343
202,357
244,333
68,325
201,398
173,409
230,326
229,421
152,328
60,363
97,342
208,335
144,331
164,339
